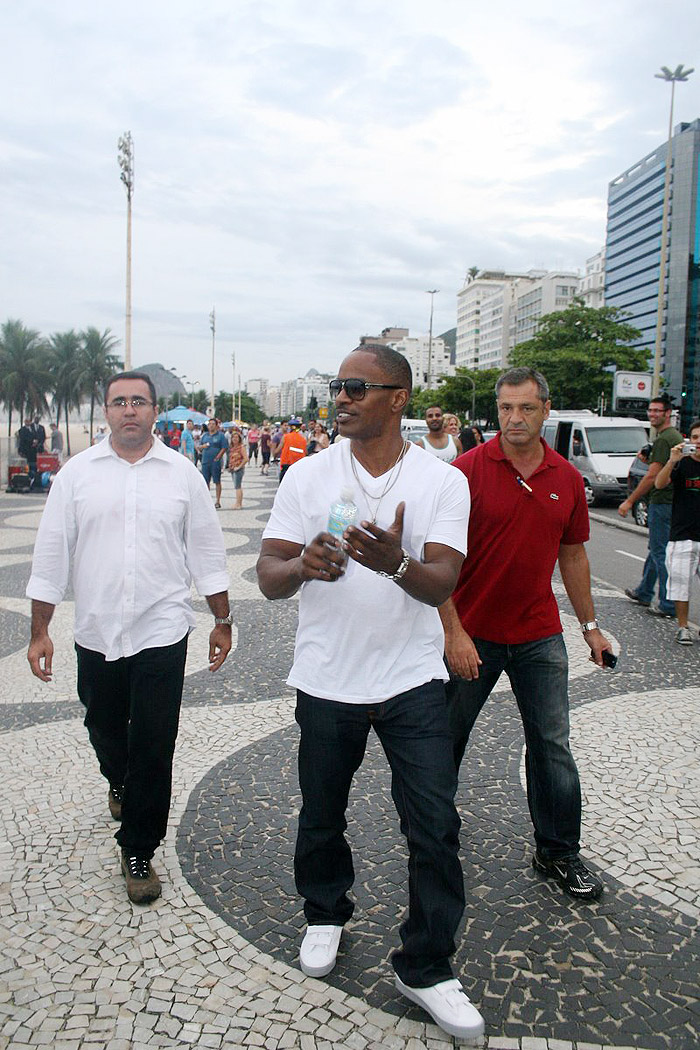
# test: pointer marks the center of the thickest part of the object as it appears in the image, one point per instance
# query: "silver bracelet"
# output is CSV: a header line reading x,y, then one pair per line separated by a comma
x,y
400,572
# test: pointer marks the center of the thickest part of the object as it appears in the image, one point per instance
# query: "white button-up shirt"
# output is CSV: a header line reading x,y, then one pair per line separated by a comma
x,y
138,534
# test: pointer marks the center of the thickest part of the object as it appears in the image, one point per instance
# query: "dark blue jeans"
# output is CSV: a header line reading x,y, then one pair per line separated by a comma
x,y
415,736
538,673
655,565
132,717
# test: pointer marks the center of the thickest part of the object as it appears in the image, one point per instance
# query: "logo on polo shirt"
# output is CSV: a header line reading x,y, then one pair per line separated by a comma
x,y
553,495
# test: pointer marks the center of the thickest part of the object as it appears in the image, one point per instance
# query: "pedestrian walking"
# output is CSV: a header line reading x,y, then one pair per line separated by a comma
x,y
187,441
132,519
368,654
528,512
293,447
659,520
265,441
237,459
212,447
57,442
253,443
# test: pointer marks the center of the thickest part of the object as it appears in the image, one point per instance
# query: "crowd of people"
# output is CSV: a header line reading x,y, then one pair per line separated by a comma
x,y
406,620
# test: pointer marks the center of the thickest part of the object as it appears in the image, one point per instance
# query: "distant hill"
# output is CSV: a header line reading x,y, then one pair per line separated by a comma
x,y
164,381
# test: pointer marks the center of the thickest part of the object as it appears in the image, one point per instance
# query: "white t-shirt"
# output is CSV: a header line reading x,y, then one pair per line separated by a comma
x,y
362,639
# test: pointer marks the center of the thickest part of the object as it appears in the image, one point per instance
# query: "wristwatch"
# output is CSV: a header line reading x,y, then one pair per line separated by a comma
x,y
400,572
220,620
590,625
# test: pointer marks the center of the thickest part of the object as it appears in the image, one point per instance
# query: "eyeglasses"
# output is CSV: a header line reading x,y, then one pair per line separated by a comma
x,y
135,402
356,388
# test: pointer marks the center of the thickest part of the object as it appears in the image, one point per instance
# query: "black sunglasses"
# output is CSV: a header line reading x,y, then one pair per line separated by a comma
x,y
356,388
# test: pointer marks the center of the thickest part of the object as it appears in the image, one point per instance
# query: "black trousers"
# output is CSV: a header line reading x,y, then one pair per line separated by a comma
x,y
132,716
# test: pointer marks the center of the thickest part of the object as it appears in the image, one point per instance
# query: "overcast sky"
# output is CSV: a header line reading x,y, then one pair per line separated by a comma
x,y
311,167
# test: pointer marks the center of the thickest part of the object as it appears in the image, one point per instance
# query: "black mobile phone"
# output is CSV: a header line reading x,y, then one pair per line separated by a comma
x,y
609,659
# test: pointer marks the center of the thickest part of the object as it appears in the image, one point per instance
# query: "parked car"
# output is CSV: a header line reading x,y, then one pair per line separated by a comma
x,y
639,467
601,448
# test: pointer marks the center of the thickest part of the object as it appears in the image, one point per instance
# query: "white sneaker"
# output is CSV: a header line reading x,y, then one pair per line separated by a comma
x,y
319,949
448,1006
683,636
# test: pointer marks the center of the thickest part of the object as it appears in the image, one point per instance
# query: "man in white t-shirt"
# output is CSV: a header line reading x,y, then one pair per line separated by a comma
x,y
369,654
438,440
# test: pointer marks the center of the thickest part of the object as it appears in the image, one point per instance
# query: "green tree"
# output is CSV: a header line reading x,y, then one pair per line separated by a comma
x,y
223,407
25,379
97,363
250,410
63,361
199,401
454,394
576,350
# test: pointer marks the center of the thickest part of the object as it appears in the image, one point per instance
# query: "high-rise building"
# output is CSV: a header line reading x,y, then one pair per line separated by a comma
x,y
497,310
257,388
592,289
633,253
535,295
420,351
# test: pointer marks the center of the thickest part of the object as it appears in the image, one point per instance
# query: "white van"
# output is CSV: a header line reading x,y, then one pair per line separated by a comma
x,y
600,447
413,429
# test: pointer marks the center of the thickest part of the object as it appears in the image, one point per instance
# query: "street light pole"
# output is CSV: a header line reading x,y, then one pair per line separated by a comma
x,y
233,387
126,163
432,293
678,74
212,325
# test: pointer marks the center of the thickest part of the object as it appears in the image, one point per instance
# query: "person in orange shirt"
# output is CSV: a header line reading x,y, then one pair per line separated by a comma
x,y
293,447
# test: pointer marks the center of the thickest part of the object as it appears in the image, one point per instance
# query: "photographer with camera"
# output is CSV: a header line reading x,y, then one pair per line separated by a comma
x,y
682,472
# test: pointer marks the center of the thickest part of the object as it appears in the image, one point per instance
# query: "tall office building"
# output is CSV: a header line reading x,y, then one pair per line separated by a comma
x,y
633,252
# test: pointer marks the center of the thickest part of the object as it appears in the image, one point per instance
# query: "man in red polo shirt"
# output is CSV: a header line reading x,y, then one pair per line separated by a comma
x,y
528,511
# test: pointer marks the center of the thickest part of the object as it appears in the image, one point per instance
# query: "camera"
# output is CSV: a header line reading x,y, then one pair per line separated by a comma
x,y
688,448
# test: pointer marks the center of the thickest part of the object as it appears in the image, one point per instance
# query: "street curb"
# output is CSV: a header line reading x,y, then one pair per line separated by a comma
x,y
626,526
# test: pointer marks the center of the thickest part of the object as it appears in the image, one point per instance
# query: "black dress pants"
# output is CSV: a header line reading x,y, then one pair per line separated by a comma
x,y
132,716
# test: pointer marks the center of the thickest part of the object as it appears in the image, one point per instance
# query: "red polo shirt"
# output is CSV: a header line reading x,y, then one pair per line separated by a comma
x,y
504,592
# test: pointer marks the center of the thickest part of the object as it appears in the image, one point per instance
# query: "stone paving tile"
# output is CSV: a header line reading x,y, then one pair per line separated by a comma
x,y
213,963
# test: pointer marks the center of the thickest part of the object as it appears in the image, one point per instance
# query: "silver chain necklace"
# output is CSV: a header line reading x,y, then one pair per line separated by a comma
x,y
390,481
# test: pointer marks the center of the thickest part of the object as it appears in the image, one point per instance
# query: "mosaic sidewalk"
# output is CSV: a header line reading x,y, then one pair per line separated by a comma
x,y
213,963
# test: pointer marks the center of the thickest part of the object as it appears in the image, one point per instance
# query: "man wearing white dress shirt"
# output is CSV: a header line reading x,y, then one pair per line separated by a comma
x,y
134,519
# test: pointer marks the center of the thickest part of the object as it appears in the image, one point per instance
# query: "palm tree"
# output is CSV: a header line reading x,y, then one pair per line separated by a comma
x,y
64,360
24,376
472,274
97,363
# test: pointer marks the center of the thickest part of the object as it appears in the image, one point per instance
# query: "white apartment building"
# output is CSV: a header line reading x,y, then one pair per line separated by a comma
x,y
421,353
593,284
536,295
471,299
498,310
295,394
257,388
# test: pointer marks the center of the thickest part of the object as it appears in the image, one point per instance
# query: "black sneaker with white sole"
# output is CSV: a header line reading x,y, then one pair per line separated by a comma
x,y
572,875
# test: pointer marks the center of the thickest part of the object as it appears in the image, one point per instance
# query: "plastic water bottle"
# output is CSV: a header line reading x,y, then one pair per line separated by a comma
x,y
342,513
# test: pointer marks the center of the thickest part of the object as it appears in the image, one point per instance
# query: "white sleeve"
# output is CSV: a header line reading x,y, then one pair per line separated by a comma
x,y
204,540
286,521
54,546
451,521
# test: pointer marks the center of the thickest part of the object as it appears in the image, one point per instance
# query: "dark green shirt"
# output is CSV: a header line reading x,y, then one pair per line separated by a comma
x,y
660,453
